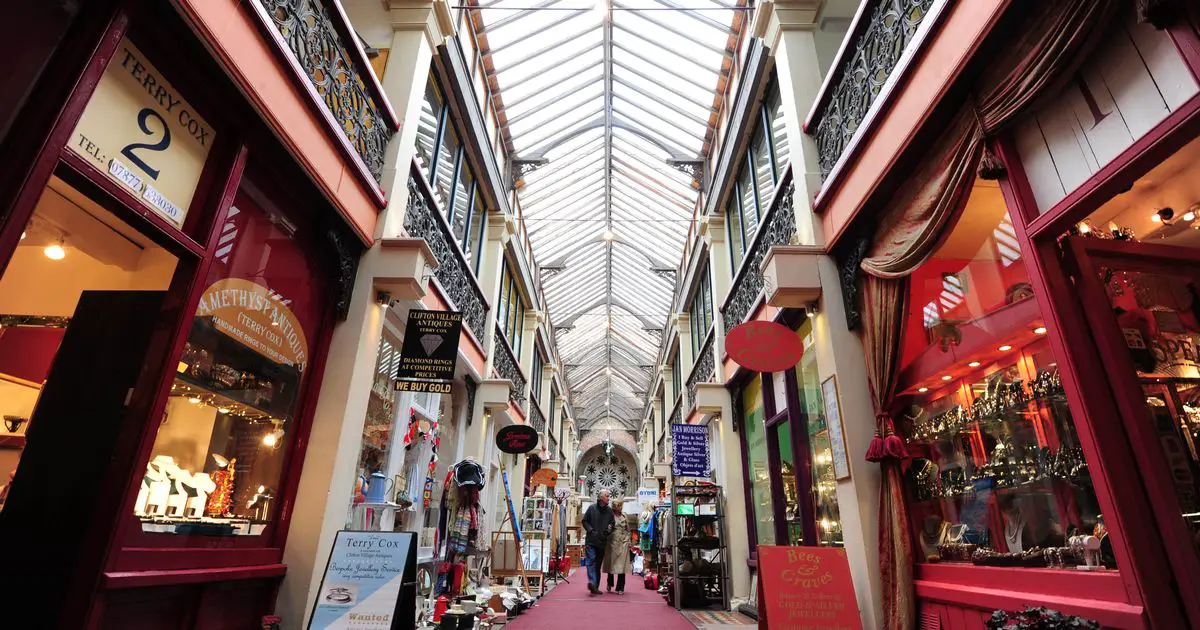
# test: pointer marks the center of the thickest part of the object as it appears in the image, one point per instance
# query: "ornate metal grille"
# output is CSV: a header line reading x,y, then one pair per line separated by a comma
x,y
452,273
507,367
536,419
779,228
705,368
318,47
891,25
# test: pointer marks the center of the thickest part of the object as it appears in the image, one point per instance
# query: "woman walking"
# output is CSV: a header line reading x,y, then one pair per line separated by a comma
x,y
616,556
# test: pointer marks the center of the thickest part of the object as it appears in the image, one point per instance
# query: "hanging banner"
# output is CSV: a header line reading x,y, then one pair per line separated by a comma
x,y
806,587
429,352
138,129
689,450
764,346
370,582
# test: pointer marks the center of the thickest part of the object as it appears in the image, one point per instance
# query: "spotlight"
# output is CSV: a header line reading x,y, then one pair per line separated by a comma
x,y
1164,215
922,390
1084,228
973,364
383,298
946,377
1040,330
55,250
222,410
195,400
1005,348
270,439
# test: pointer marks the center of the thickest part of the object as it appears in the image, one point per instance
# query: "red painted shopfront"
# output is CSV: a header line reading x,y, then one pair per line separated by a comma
x,y
1047,375
171,276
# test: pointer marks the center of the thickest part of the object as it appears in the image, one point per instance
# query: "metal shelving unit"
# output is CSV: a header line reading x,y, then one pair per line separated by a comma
x,y
703,587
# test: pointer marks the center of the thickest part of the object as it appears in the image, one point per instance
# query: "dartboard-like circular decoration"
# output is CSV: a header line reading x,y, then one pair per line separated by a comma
x,y
607,472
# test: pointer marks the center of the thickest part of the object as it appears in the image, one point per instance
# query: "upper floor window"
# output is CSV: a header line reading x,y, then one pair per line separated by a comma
x,y
701,312
761,169
535,379
510,317
676,386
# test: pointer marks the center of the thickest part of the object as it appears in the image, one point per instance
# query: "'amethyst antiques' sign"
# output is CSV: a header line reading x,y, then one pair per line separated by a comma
x,y
689,450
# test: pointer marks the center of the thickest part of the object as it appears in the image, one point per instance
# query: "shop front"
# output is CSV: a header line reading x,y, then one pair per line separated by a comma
x,y
1036,332
170,279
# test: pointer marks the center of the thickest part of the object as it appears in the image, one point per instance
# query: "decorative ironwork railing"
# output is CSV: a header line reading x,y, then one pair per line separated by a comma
x,y
778,228
323,51
705,368
880,42
507,367
422,220
536,419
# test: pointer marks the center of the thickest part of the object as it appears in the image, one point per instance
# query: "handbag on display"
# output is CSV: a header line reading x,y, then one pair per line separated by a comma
x,y
650,582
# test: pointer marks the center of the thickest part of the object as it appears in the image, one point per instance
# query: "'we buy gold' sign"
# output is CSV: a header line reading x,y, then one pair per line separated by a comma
x,y
138,129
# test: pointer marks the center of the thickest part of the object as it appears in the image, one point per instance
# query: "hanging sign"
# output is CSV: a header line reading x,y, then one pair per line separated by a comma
x,y
689,450
370,581
430,351
806,587
256,317
138,129
516,439
544,477
764,346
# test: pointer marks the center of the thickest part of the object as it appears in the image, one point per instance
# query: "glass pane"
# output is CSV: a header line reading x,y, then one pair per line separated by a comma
x,y
218,459
824,481
750,210
734,216
787,473
475,230
779,139
760,154
447,161
71,245
759,467
427,126
996,467
460,207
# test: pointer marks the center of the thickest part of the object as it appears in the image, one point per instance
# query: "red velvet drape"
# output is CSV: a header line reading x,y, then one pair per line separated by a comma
x,y
1047,49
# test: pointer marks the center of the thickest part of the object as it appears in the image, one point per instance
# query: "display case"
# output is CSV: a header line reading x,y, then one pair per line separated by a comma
x,y
699,557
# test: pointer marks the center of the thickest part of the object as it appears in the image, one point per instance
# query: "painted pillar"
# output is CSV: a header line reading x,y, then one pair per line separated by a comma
x,y
327,481
787,27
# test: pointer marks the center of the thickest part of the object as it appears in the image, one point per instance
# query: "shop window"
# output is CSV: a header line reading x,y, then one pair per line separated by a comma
x,y
217,461
432,110
757,463
824,481
69,247
996,466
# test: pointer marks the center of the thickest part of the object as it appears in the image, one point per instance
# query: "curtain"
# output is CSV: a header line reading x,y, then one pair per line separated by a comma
x,y
1050,46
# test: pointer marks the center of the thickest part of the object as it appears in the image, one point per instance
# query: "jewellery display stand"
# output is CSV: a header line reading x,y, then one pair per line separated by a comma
x,y
697,536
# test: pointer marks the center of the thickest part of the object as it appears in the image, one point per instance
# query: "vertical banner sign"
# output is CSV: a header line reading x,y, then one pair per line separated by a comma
x,y
806,587
689,450
138,129
369,583
430,351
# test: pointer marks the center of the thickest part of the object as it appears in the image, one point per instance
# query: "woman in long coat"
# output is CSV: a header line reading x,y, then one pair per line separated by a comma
x,y
616,555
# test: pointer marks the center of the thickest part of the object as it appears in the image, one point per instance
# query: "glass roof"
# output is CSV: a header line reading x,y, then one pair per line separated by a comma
x,y
613,95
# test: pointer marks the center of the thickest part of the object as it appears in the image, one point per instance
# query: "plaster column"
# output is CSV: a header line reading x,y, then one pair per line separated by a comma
x,y
787,27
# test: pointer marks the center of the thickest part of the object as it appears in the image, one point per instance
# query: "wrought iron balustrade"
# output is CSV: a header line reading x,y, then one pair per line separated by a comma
x,y
508,368
876,46
536,419
778,228
705,369
422,220
326,51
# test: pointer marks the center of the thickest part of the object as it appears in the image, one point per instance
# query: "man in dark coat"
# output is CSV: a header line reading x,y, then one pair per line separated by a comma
x,y
598,523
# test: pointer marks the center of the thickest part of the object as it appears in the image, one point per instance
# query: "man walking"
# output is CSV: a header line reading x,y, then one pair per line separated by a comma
x,y
598,523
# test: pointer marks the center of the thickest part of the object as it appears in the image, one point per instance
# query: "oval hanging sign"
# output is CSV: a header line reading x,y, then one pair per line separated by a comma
x,y
516,439
764,346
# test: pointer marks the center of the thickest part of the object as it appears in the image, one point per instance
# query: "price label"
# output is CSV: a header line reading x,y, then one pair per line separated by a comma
x,y
138,129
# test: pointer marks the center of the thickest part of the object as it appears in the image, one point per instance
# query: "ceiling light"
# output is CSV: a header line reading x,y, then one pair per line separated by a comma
x,y
1040,330
608,236
1084,228
1189,216
22,236
195,400
1164,215
946,377
973,364
922,390
55,250
222,409
1005,348
270,439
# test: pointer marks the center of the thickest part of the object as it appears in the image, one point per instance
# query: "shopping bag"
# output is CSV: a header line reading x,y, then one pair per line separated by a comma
x,y
639,565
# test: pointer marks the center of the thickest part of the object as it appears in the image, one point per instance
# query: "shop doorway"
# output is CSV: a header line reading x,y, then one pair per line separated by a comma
x,y
74,277
1142,302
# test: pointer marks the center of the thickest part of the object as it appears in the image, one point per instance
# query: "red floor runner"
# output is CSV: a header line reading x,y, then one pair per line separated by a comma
x,y
571,607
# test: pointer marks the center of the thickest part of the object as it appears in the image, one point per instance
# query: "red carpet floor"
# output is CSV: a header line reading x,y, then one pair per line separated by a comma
x,y
571,607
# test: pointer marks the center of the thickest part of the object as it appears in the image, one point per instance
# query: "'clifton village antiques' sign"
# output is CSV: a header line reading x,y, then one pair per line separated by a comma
x,y
430,351
370,581
689,450
139,130
806,587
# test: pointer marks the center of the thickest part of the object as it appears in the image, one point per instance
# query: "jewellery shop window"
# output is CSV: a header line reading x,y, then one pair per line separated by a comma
x,y
996,475
217,462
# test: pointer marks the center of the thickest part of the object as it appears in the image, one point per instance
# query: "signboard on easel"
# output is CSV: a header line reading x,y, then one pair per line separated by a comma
x,y
370,581
805,587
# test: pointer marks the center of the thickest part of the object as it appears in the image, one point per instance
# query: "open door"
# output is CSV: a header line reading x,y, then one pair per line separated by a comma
x,y
1142,303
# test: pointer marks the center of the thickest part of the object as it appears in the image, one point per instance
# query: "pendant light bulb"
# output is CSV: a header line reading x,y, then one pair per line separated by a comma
x,y
270,439
55,250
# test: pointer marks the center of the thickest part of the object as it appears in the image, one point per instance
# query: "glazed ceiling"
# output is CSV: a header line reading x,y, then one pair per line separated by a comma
x,y
616,104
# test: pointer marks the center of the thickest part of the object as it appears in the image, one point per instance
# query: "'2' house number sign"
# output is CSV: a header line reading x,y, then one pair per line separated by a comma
x,y
140,131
